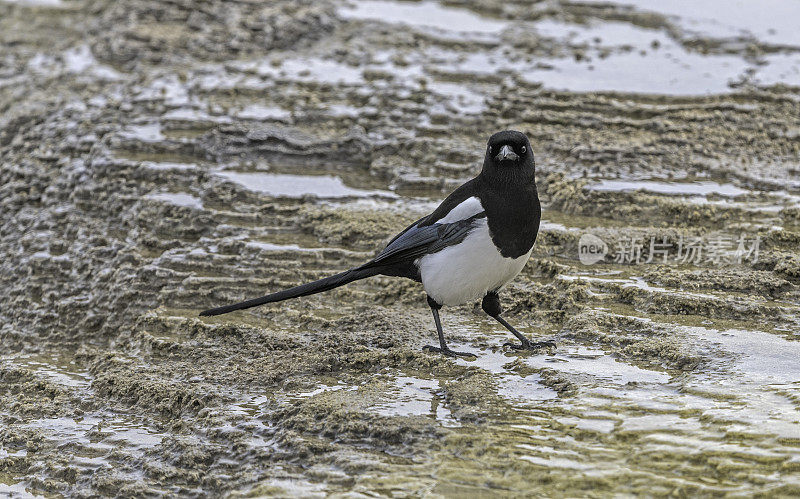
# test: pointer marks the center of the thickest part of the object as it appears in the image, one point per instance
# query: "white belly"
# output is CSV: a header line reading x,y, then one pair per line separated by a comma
x,y
465,272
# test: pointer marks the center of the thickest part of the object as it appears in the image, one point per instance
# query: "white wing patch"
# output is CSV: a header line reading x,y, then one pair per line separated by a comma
x,y
462,211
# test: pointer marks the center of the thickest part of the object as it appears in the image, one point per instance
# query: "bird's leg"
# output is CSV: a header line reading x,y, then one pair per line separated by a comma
x,y
442,348
491,305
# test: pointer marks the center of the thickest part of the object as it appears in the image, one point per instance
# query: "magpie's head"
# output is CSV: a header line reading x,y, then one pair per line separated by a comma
x,y
509,155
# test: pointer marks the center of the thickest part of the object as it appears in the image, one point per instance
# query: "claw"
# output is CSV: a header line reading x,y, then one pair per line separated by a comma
x,y
531,345
446,351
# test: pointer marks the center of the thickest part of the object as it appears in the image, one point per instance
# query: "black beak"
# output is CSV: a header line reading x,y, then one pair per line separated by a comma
x,y
506,154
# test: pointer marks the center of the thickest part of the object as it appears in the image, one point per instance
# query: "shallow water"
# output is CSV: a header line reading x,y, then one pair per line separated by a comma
x,y
286,185
152,168
615,56
428,14
178,199
699,188
769,21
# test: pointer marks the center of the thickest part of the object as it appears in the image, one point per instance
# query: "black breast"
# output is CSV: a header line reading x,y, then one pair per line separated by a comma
x,y
513,215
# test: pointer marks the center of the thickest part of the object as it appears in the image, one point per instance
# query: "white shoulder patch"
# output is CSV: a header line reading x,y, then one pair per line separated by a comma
x,y
465,209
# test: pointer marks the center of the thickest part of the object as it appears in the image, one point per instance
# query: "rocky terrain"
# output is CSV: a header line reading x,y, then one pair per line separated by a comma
x,y
159,158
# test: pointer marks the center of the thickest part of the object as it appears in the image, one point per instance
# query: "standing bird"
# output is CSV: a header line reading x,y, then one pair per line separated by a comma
x,y
474,243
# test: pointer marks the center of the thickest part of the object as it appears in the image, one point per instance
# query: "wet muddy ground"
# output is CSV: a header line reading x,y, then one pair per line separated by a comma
x,y
159,158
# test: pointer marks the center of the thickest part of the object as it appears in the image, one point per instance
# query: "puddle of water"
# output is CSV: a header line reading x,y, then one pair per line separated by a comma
x,y
37,3
629,62
702,188
669,70
430,15
765,207
653,422
267,246
524,389
680,418
114,431
752,395
569,359
552,461
278,247
604,367
778,68
168,89
178,199
128,433
770,21
661,73
758,201
18,453
672,69
763,358
345,111
607,33
60,370
16,489
635,282
545,225
77,60
294,488
323,389
191,114
698,415
589,423
307,70
617,56
249,406
415,397
261,112
296,186
150,132
80,59
460,97
167,165
751,388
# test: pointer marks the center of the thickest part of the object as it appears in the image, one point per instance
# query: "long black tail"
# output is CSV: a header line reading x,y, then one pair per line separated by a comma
x,y
310,288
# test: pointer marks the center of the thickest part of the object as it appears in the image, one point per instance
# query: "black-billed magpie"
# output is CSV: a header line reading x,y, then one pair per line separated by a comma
x,y
475,242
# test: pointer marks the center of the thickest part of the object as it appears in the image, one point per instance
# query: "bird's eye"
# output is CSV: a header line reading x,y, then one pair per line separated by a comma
x,y
524,149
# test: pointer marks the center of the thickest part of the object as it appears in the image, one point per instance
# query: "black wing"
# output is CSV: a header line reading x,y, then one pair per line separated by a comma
x,y
464,192
415,242
399,235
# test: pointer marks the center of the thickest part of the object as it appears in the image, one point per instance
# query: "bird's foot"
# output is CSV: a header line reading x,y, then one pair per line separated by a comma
x,y
527,344
446,351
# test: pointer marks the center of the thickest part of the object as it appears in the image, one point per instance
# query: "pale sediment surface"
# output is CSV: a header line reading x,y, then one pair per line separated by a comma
x,y
158,158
